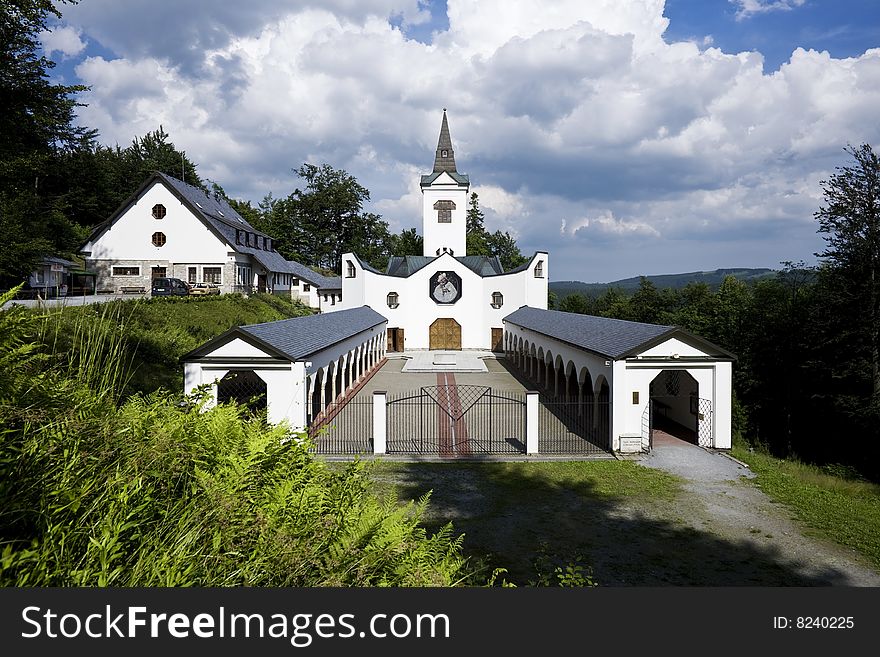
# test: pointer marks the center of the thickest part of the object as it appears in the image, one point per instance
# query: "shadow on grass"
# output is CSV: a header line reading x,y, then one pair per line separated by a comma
x,y
515,516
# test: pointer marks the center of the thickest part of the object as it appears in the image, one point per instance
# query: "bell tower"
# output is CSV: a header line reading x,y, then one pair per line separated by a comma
x,y
444,201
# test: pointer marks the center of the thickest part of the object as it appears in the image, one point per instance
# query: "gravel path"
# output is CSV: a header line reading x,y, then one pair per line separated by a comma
x,y
722,502
719,530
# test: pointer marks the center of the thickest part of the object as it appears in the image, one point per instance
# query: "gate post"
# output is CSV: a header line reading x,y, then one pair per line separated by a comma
x,y
531,422
380,424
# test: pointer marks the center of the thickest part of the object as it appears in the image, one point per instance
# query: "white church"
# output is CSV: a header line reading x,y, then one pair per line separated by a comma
x,y
445,299
609,382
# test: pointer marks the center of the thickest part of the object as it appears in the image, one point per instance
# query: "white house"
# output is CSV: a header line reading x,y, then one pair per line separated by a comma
x,y
170,228
444,299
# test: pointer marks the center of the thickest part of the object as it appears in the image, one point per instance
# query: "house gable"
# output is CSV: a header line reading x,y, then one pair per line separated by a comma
x,y
129,235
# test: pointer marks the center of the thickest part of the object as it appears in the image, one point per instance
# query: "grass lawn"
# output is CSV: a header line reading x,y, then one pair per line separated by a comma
x,y
844,509
535,518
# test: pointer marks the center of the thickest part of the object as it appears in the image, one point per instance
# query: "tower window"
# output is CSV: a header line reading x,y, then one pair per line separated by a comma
x,y
445,249
539,269
158,211
444,211
393,300
497,299
444,153
158,239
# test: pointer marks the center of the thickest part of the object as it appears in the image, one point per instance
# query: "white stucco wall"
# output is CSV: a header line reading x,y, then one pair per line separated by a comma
x,y
285,385
438,235
417,310
130,236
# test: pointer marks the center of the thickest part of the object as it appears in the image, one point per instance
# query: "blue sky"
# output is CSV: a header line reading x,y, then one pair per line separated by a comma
x,y
626,138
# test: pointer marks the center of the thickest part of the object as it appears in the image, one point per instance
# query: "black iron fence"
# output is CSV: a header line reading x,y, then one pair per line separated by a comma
x,y
347,429
573,427
457,420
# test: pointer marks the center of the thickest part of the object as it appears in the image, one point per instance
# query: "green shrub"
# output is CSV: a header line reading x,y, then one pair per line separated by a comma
x,y
158,491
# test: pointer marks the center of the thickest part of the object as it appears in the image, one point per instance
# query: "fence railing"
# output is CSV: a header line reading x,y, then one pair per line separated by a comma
x,y
571,427
456,421
348,431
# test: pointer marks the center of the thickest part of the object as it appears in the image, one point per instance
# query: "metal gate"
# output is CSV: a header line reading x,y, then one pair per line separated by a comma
x,y
702,408
456,421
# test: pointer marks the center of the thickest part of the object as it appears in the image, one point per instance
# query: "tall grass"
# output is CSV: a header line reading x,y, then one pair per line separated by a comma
x,y
157,490
832,500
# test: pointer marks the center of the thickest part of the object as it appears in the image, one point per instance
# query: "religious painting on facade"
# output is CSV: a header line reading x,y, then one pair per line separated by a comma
x,y
445,287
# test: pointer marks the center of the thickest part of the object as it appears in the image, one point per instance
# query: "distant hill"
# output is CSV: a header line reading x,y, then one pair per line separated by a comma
x,y
712,278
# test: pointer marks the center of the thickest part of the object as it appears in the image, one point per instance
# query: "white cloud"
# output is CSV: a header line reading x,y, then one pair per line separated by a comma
x,y
578,112
748,8
63,39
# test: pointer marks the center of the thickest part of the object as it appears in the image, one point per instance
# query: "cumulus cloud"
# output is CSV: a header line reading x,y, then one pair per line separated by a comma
x,y
62,39
576,112
748,8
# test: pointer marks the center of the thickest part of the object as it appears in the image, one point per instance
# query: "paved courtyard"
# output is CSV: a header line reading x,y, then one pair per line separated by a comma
x,y
445,410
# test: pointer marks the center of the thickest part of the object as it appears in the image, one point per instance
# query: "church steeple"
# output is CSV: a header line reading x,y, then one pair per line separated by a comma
x,y
444,160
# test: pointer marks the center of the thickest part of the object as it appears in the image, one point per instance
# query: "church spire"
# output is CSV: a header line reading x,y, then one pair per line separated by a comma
x,y
444,160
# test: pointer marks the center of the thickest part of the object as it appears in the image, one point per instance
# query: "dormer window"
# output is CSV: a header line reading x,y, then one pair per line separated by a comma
x,y
539,269
350,270
497,300
158,211
444,211
393,300
238,236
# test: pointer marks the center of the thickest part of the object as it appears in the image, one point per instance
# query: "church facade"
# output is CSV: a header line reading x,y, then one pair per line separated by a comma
x,y
444,299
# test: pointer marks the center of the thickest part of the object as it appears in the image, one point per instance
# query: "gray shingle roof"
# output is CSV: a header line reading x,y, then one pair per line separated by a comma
x,y
300,337
613,338
308,275
460,178
404,266
334,283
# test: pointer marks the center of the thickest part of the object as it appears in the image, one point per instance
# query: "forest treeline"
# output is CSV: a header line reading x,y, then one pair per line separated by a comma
x,y
58,181
807,341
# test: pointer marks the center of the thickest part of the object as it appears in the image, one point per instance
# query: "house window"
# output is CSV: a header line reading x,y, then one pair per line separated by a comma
x,y
539,269
238,236
192,274
295,282
126,271
41,276
158,239
444,211
243,276
268,244
212,275
497,299
158,211
350,272
306,287
393,300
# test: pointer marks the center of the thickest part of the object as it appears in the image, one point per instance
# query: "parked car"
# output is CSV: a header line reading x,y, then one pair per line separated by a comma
x,y
169,287
204,288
